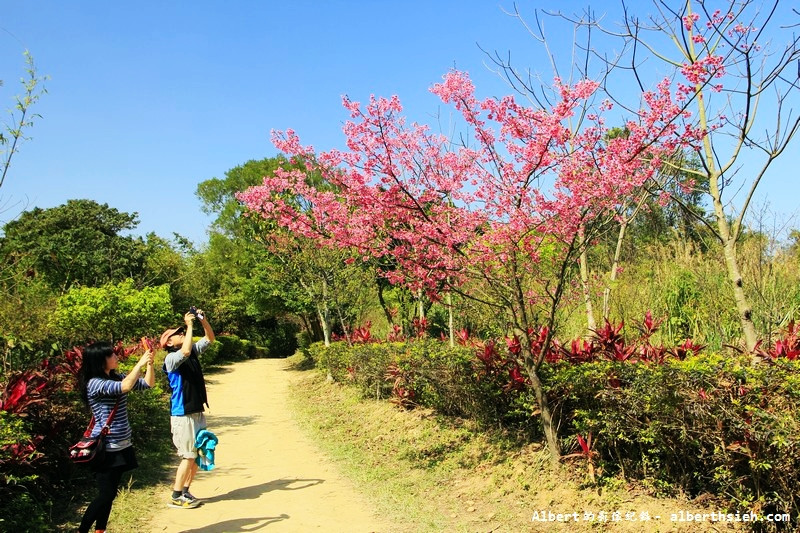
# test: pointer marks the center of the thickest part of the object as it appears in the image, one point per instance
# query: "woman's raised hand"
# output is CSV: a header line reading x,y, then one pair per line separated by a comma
x,y
147,359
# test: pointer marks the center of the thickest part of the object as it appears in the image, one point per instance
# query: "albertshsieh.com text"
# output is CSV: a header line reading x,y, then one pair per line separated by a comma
x,y
645,516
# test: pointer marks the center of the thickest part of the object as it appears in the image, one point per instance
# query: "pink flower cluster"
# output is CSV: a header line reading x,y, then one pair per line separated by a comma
x,y
443,213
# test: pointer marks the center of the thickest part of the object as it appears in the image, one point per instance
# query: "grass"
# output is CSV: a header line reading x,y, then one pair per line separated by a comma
x,y
427,473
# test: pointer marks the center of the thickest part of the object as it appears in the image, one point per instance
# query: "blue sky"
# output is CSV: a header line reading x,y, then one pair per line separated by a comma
x,y
147,99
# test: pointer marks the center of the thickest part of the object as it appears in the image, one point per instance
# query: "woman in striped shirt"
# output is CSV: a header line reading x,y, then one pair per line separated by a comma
x,y
101,385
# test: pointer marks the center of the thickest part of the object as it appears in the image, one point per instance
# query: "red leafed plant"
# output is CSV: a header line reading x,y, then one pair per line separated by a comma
x,y
420,327
653,354
581,351
123,351
649,326
539,339
620,353
488,355
71,362
396,335
586,452
499,367
647,352
609,335
688,346
23,390
788,345
362,335
462,337
514,345
611,343
23,453
402,392
517,380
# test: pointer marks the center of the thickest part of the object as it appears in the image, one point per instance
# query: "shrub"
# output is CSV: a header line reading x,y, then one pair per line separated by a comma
x,y
117,308
257,352
212,354
665,415
364,365
39,414
282,340
21,512
428,373
303,340
706,424
232,348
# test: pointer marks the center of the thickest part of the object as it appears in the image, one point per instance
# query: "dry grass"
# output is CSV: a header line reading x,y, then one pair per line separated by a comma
x,y
425,473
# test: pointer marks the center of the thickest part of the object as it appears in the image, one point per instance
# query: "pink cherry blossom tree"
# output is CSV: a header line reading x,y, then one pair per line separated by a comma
x,y
735,71
496,219
562,182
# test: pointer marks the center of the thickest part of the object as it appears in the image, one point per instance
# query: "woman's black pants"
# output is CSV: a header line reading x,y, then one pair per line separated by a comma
x,y
99,510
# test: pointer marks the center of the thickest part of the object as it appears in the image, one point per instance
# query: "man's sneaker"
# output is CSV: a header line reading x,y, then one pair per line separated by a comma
x,y
183,502
187,494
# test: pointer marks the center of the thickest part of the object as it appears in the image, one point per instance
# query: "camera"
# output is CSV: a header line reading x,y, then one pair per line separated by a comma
x,y
193,310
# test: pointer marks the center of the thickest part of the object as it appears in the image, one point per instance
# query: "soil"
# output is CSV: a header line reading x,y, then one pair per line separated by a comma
x,y
267,475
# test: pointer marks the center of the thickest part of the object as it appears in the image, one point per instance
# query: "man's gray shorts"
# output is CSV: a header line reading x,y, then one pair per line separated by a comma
x,y
184,430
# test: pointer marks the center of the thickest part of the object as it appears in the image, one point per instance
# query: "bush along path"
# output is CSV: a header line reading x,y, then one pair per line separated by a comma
x,y
267,474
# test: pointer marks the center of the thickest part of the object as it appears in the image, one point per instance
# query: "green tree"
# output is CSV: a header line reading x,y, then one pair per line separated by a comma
x,y
323,286
227,281
114,311
25,307
164,261
78,243
261,272
793,246
229,277
218,194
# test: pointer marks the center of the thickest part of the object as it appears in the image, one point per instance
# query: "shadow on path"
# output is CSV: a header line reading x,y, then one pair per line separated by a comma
x,y
218,369
226,422
251,493
239,524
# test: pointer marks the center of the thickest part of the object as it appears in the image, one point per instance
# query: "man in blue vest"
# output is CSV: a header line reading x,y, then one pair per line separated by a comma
x,y
188,397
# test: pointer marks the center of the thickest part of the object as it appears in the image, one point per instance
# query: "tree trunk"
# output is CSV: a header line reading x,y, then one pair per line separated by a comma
x,y
612,274
729,234
532,361
545,415
324,314
344,326
450,319
324,320
742,304
311,323
587,295
385,308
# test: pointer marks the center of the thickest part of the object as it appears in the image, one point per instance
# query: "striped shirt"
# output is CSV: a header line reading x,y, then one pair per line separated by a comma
x,y
103,394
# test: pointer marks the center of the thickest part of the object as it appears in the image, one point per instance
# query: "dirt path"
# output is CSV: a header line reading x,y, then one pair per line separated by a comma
x,y
268,476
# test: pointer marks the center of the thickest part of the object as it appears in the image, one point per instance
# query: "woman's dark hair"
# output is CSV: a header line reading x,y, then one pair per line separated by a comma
x,y
93,366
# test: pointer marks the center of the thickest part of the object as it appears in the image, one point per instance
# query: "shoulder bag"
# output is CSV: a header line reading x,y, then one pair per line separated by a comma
x,y
90,451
